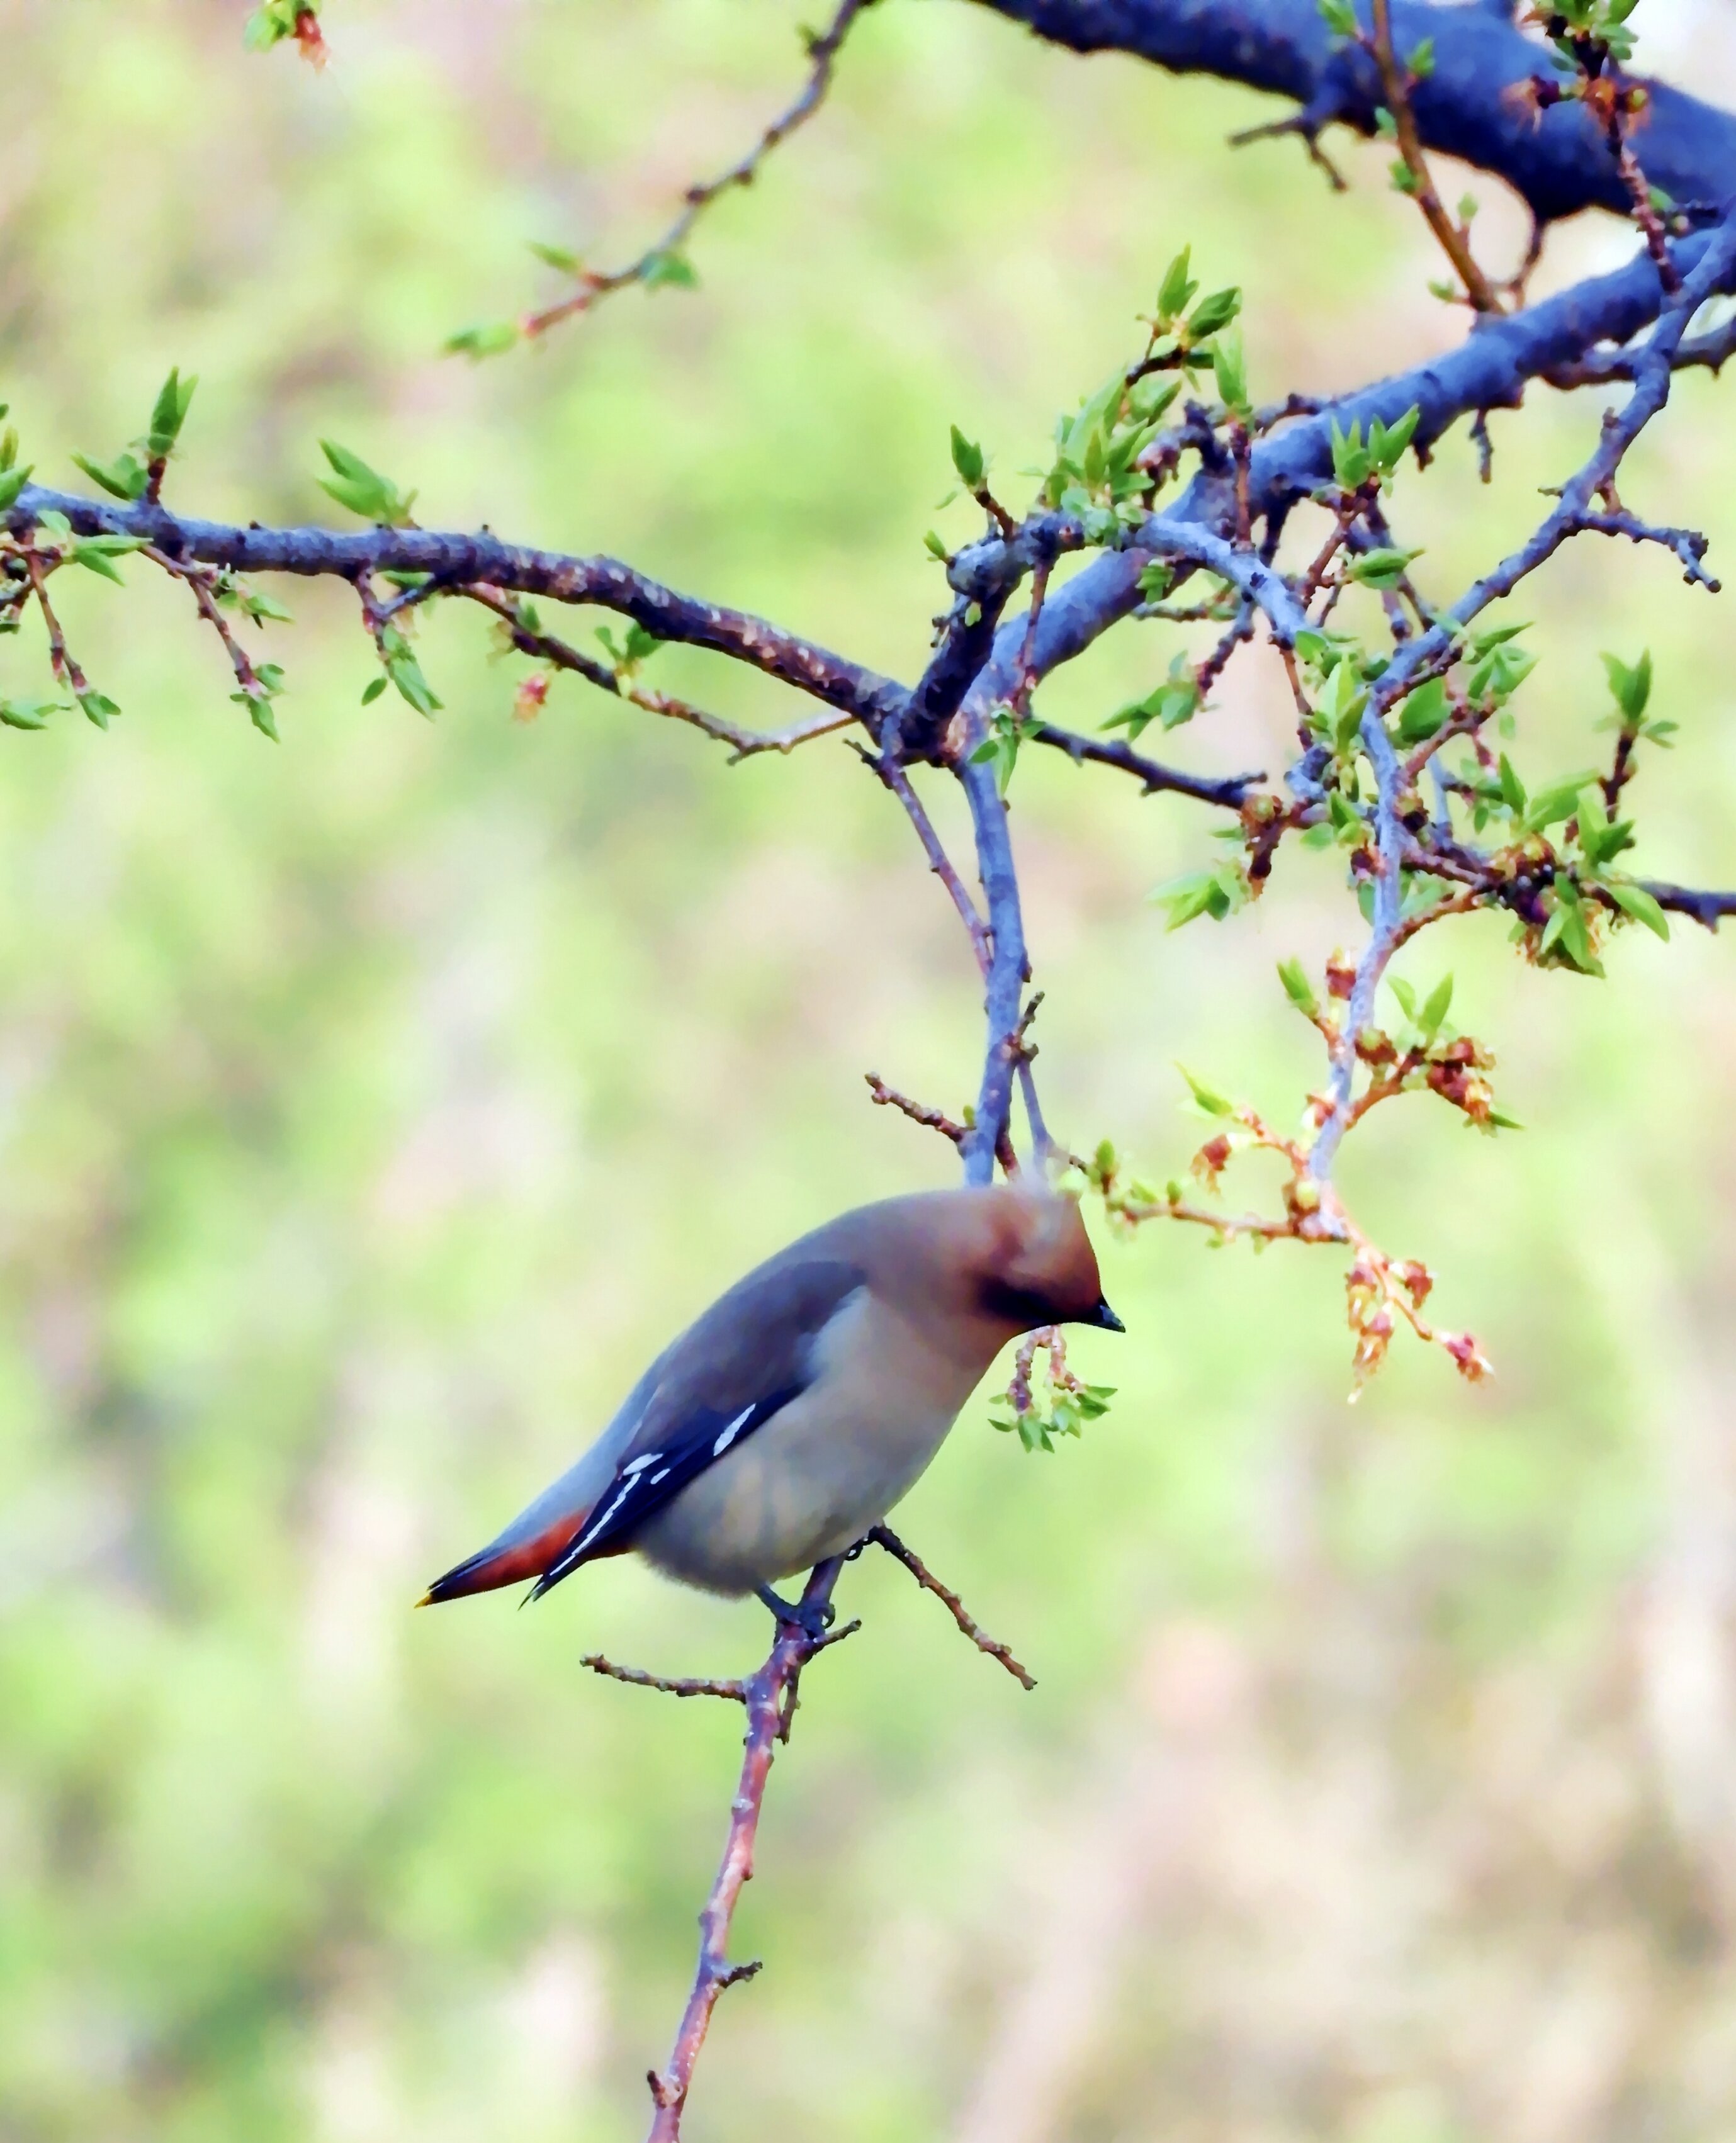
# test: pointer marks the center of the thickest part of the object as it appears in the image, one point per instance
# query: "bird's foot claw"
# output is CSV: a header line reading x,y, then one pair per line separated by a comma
x,y
812,1622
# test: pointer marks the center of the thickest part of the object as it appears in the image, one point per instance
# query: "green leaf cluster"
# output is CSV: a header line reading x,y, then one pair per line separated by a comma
x,y
1172,703
400,669
1060,1411
12,477
1000,748
364,490
1602,24
128,476
1356,461
273,21
635,647
1218,892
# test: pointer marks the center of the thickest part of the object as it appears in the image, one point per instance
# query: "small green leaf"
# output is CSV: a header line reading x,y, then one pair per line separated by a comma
x,y
264,609
1212,1103
364,490
670,271
1550,806
1635,901
1424,713
1298,988
169,413
1176,290
1386,442
1214,313
967,460
1352,463
1632,687
125,478
1230,372
1381,568
486,338
29,714
97,554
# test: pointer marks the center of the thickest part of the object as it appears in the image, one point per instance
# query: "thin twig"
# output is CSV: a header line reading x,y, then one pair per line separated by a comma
x,y
735,1692
933,1120
744,743
1307,131
593,285
1454,241
1229,791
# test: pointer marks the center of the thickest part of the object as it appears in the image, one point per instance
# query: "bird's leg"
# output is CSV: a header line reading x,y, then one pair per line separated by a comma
x,y
812,1621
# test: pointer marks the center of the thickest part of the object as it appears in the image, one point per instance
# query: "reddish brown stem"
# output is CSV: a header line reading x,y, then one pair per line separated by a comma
x,y
66,671
1453,241
768,1696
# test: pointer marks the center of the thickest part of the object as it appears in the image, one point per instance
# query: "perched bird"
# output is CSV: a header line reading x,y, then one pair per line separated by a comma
x,y
799,1408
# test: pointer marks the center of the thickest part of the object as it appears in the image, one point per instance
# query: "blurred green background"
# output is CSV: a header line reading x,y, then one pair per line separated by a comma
x,y
372,1106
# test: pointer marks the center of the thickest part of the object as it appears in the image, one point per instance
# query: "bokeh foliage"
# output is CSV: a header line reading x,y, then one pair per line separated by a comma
x,y
373,1104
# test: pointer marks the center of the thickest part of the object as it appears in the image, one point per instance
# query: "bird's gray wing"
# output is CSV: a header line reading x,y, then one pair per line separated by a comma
x,y
747,1358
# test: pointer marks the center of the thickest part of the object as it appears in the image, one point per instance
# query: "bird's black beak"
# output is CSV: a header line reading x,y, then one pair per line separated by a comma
x,y
1103,1317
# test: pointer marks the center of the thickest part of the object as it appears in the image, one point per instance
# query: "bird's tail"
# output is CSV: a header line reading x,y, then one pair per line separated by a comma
x,y
506,1560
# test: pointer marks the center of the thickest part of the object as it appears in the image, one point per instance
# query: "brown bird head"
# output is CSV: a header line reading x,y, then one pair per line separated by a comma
x,y
1035,1264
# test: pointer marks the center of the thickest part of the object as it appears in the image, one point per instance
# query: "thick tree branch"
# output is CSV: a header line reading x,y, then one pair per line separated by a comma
x,y
1489,370
1707,909
462,562
1558,162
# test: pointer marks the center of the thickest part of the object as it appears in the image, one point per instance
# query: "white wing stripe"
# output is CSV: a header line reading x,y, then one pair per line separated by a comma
x,y
632,1476
727,1437
597,1524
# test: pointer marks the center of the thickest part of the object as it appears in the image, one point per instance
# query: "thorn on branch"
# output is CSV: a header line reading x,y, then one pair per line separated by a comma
x,y
1485,446
1306,125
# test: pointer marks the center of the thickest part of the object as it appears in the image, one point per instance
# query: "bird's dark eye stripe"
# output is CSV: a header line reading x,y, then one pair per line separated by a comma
x,y
1018,1305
